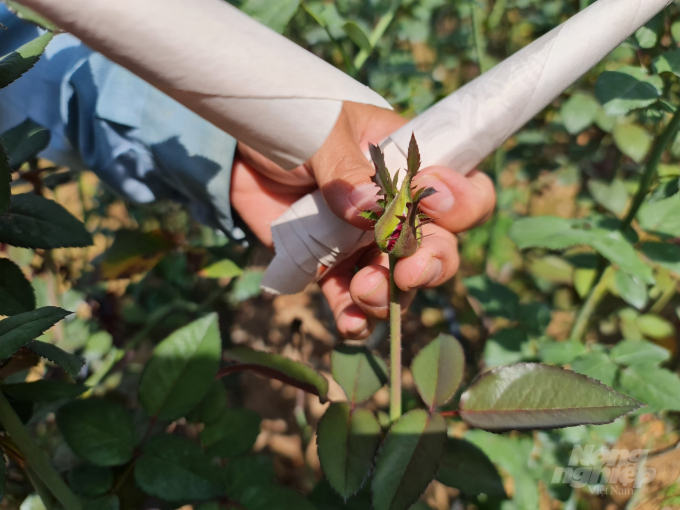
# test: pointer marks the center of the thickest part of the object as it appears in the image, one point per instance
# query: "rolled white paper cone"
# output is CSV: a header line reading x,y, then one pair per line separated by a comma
x,y
238,74
467,126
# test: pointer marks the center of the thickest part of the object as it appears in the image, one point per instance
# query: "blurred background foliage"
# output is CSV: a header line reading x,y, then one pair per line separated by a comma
x,y
565,184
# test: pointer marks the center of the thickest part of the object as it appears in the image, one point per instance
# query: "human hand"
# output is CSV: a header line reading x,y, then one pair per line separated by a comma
x,y
262,191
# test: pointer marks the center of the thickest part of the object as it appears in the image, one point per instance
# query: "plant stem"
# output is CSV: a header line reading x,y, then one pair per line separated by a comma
x,y
36,458
478,35
377,33
597,294
395,346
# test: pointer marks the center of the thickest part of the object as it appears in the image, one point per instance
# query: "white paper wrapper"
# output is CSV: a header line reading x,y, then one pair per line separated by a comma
x,y
464,128
238,74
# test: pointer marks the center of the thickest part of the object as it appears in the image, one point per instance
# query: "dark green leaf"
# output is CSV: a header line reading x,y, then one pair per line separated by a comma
x,y
16,292
25,141
90,480
665,254
535,396
175,469
324,497
508,346
631,290
2,478
246,471
668,62
648,35
347,440
269,497
360,372
5,181
620,92
274,13
466,468
18,330
657,387
110,502
357,35
43,391
408,460
212,407
232,434
72,363
438,370
36,222
29,15
634,352
15,64
496,299
661,217
280,368
181,370
99,431
598,366
561,353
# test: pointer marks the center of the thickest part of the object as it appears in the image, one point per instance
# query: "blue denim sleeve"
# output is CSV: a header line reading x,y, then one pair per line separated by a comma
x,y
142,143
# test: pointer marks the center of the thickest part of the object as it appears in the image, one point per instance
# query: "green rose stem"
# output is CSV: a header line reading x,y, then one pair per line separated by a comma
x,y
36,458
601,288
395,345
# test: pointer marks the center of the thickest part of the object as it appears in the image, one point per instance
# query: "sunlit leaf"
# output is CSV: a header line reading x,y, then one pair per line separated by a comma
x,y
181,370
277,367
18,330
668,62
634,352
29,15
665,254
360,372
653,326
175,469
561,353
438,370
347,441
16,292
233,433
656,387
633,140
631,290
357,35
408,460
16,63
466,468
612,196
534,396
99,431
661,217
578,113
274,13
134,252
620,92
598,366
222,269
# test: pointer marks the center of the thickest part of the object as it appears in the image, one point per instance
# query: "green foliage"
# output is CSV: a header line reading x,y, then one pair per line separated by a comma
x,y
466,468
656,387
16,293
43,391
222,269
175,469
29,15
89,480
565,398
246,471
17,331
69,362
438,370
232,434
100,431
359,371
272,496
347,442
24,142
16,63
408,460
627,89
181,370
5,181
633,352
274,13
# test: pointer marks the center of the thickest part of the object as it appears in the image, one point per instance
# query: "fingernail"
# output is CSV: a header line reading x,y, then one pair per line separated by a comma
x,y
377,296
432,272
441,201
364,197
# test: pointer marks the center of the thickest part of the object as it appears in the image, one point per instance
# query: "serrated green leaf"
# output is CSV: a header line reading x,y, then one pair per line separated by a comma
x,y
175,469
668,62
665,254
72,363
43,391
36,222
29,15
25,141
280,368
612,196
561,353
246,471
661,217
535,396
656,387
358,371
268,497
17,331
466,468
408,460
630,289
276,14
438,370
5,181
620,92
232,434
90,480
100,431
222,269
181,370
578,113
347,440
634,352
357,35
653,326
633,140
596,365
15,64
16,292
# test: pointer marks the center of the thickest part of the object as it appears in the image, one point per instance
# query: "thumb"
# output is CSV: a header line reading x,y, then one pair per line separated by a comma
x,y
343,174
